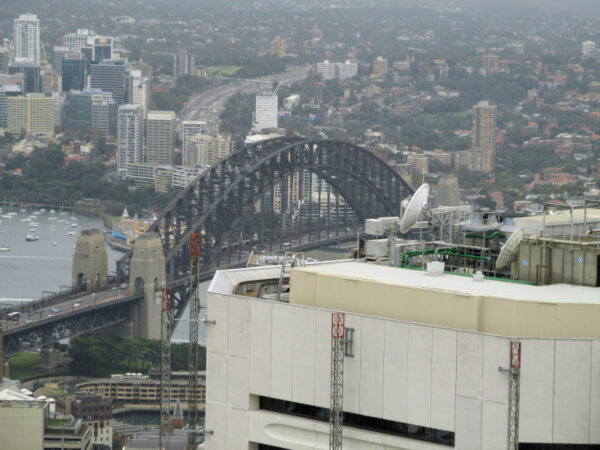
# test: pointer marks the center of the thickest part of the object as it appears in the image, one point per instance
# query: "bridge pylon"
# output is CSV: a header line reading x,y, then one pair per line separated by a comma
x,y
90,262
147,275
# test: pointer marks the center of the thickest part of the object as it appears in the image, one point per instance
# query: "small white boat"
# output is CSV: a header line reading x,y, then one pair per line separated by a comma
x,y
73,225
71,233
61,221
52,211
35,224
43,209
22,210
32,237
4,249
33,230
73,218
7,216
51,218
53,242
26,219
51,229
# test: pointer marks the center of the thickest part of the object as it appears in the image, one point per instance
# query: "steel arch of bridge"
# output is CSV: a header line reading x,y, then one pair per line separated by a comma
x,y
215,203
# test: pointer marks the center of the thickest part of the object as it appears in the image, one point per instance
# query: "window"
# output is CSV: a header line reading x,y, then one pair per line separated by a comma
x,y
359,421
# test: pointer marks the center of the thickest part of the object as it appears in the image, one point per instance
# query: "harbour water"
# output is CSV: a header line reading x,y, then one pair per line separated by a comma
x,y
33,267
44,265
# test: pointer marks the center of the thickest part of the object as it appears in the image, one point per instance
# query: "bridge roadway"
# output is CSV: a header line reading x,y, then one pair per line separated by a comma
x,y
71,317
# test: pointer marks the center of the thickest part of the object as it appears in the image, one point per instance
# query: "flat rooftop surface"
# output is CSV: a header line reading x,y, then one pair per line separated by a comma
x,y
465,285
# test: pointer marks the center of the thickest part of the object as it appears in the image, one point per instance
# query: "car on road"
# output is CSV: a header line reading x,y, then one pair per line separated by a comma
x,y
55,310
75,305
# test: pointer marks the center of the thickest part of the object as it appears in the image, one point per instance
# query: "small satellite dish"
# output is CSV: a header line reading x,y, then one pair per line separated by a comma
x,y
414,208
509,250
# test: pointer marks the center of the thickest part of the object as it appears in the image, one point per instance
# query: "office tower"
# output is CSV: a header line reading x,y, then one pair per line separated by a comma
x,y
4,59
58,57
75,41
484,133
30,72
184,63
205,150
73,72
380,67
27,39
160,137
266,111
110,77
78,109
278,46
59,108
191,128
102,47
586,47
104,113
129,137
31,114
340,71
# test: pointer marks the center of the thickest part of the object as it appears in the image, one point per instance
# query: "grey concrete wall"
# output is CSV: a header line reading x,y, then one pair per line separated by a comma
x,y
147,272
91,260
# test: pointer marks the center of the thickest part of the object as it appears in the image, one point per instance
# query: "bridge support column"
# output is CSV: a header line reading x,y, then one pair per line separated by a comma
x,y
49,358
90,262
147,275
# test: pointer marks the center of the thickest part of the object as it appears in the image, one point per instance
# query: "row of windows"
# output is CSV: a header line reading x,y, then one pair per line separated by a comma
x,y
360,421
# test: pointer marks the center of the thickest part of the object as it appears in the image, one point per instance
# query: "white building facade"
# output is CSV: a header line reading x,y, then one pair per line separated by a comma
x,y
407,385
130,127
266,111
27,39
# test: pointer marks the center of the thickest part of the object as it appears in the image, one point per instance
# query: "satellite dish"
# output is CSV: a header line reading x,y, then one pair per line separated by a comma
x,y
414,208
510,249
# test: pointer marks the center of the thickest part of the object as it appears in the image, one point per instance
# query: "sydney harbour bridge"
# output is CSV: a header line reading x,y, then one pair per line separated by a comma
x,y
288,193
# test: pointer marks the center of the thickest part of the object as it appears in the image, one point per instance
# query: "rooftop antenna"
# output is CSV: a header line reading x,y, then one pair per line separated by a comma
x,y
412,212
510,249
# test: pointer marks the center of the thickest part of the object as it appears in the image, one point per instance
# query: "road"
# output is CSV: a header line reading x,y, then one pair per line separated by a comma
x,y
65,307
208,105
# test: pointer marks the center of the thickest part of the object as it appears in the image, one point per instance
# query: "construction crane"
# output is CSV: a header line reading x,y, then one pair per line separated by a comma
x,y
166,320
195,248
336,407
514,394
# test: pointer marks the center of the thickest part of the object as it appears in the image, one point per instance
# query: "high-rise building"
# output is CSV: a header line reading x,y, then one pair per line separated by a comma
x,y
78,109
58,57
27,39
104,112
4,59
191,128
160,137
184,63
129,137
484,133
30,72
31,114
266,111
138,90
586,47
102,47
75,41
490,63
380,67
278,46
340,71
109,75
205,150
73,72
11,85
